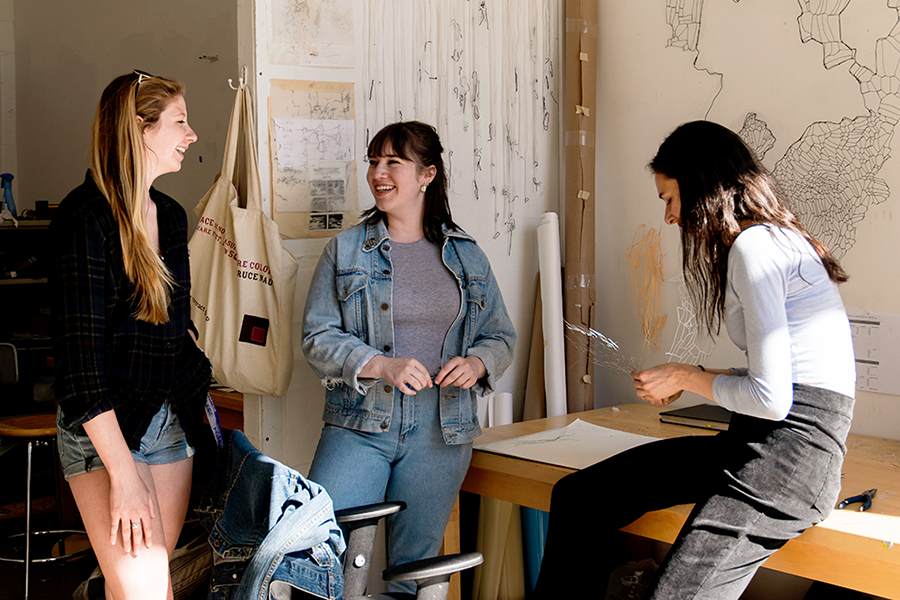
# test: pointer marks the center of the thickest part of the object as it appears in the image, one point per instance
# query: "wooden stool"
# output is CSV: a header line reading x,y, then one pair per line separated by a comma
x,y
36,430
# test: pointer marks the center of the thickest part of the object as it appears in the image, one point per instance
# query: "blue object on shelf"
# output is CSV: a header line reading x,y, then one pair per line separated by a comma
x,y
7,193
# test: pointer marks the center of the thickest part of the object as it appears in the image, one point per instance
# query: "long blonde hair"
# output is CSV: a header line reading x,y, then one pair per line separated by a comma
x,y
118,169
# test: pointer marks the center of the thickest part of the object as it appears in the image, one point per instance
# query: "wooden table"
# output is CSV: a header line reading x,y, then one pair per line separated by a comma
x,y
851,549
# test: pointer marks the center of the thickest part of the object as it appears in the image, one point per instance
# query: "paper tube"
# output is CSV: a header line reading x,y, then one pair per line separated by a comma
x,y
502,409
484,410
552,315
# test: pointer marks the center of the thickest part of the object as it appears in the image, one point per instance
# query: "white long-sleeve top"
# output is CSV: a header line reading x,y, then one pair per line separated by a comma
x,y
787,316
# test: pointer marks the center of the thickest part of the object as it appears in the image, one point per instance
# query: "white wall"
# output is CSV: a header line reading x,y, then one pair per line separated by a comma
x,y
67,52
646,89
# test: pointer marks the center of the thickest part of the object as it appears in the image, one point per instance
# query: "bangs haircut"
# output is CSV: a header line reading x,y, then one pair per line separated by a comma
x,y
419,143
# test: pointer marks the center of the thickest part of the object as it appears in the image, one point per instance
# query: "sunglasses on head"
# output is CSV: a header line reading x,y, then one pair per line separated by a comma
x,y
142,75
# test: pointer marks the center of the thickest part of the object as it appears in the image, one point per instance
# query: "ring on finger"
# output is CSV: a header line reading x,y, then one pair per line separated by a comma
x,y
135,525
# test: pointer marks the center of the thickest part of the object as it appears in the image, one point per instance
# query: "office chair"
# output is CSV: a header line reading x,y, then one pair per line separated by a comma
x,y
432,575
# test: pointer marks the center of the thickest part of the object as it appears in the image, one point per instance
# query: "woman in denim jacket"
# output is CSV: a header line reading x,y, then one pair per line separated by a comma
x,y
404,323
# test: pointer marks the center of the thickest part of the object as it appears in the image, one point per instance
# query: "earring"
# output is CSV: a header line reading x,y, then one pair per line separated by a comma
x,y
423,188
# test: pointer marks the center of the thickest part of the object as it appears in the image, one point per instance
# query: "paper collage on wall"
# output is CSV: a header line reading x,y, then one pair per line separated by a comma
x,y
312,133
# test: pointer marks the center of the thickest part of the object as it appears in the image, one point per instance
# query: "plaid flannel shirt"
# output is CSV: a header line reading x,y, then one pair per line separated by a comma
x,y
105,358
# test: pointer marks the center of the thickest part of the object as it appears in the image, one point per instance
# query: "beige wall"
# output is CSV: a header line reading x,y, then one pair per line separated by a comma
x,y
8,161
66,53
646,89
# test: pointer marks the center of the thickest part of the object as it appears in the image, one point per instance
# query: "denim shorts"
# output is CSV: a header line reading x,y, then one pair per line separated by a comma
x,y
163,443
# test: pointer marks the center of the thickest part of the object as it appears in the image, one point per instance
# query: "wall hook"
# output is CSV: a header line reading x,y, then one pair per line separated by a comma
x,y
240,81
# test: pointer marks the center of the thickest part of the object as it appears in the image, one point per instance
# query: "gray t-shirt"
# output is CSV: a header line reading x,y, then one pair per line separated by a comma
x,y
426,302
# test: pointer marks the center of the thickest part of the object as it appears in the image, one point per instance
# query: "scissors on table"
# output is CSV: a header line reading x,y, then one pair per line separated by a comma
x,y
865,498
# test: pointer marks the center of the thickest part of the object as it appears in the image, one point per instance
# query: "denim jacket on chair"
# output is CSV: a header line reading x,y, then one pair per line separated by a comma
x,y
270,529
348,320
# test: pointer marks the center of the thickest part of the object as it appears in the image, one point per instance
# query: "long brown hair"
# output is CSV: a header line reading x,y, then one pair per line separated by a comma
x,y
118,169
420,143
723,189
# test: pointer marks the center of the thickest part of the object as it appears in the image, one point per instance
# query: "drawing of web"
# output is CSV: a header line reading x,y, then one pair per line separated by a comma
x,y
645,265
830,174
685,348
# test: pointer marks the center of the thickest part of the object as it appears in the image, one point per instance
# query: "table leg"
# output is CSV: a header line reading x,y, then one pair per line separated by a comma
x,y
451,546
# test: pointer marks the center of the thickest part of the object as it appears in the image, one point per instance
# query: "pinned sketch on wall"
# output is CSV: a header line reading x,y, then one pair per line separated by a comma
x,y
876,348
312,32
645,265
830,175
312,135
485,75
686,346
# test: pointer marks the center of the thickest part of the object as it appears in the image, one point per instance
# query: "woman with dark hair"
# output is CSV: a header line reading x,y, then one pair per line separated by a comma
x,y
404,325
130,379
776,471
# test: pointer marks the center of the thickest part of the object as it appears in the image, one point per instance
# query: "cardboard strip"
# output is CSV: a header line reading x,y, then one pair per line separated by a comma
x,y
580,125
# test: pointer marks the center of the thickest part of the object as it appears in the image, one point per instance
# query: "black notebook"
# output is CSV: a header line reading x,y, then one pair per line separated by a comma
x,y
704,416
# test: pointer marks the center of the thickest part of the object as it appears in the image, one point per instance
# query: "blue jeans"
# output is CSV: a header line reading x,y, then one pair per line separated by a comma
x,y
410,462
754,487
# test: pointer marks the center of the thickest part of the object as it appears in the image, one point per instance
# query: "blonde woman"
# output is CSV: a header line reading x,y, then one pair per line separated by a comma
x,y
130,380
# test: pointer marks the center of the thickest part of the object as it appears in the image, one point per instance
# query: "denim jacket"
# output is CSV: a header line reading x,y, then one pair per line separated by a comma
x,y
271,530
348,320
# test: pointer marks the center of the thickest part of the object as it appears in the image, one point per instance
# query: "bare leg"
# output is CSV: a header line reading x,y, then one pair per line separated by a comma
x,y
145,577
125,577
173,490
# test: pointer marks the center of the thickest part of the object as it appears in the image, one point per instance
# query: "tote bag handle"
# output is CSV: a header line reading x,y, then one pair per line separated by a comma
x,y
240,165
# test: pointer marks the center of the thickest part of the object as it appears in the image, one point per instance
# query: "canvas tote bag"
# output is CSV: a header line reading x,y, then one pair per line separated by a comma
x,y
243,278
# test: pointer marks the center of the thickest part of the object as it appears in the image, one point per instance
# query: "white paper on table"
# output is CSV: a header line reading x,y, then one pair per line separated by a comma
x,y
578,445
883,528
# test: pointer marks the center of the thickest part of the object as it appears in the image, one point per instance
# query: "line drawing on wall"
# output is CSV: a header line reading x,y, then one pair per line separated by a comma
x,y
829,175
686,346
485,75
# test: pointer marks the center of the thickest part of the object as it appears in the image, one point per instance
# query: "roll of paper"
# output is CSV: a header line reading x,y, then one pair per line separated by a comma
x,y
484,409
503,409
552,315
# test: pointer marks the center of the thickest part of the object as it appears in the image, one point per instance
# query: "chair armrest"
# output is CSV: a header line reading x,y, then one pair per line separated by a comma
x,y
360,524
438,568
369,511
